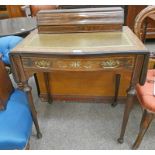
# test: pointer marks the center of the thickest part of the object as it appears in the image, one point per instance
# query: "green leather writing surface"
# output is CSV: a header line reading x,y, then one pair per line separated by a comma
x,y
81,42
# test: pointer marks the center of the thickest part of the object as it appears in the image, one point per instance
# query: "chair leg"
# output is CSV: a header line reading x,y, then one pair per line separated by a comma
x,y
145,122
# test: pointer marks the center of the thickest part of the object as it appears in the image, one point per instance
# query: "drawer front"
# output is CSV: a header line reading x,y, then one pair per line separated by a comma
x,y
79,64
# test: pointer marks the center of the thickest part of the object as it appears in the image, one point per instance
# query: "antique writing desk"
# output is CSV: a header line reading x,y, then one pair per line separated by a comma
x,y
86,52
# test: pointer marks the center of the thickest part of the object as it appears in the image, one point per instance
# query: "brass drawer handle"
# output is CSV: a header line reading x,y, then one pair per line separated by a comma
x,y
110,64
42,63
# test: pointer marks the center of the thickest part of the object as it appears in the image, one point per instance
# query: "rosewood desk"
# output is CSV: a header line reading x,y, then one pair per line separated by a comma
x,y
106,52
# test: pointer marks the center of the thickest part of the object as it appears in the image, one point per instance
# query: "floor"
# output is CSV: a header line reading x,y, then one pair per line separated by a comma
x,y
86,126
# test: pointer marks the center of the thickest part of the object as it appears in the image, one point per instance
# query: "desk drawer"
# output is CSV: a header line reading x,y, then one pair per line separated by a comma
x,y
79,64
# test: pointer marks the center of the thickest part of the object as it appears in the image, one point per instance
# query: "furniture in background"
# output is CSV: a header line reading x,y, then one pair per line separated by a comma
x,y
151,24
31,10
141,20
132,12
15,117
3,12
20,26
10,11
112,53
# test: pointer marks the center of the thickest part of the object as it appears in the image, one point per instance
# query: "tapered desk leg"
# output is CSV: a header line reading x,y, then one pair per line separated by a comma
x,y
28,89
127,110
22,82
117,84
47,80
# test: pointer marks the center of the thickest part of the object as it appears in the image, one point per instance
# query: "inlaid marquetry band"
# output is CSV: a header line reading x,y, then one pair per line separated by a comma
x,y
79,64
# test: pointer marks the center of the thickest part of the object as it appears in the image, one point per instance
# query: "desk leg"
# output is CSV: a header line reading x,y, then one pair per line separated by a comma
x,y
127,110
117,84
28,89
46,76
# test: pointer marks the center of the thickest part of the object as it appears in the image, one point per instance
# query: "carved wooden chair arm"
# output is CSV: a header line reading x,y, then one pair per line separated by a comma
x,y
139,21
